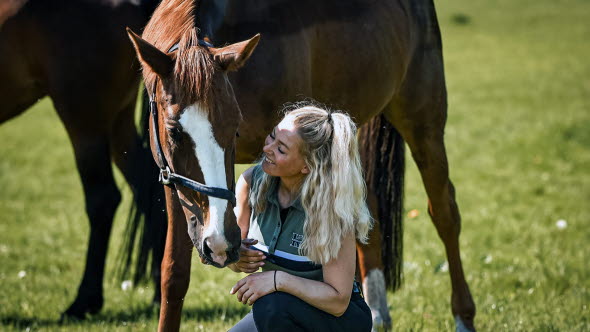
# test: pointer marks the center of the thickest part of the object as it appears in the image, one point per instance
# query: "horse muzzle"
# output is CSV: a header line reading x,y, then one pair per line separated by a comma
x,y
218,253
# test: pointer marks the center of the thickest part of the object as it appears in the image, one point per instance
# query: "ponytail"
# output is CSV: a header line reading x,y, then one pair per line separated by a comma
x,y
331,153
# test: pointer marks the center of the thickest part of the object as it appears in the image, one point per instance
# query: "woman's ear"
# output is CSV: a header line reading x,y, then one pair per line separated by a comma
x,y
305,170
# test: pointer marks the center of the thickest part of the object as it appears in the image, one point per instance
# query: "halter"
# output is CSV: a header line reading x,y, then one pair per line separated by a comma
x,y
166,176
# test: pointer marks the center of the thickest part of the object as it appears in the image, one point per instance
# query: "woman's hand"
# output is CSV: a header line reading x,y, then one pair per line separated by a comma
x,y
254,286
250,260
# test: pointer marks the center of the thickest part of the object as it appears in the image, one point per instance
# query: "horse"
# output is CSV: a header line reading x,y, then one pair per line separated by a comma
x,y
77,53
379,60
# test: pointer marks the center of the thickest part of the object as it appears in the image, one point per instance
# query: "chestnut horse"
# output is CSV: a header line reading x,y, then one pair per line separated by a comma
x,y
77,53
379,60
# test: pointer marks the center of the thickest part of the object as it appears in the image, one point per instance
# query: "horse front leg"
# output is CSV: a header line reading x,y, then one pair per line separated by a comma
x,y
176,265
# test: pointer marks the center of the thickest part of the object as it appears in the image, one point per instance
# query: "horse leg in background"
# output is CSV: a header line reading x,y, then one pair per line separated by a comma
x,y
176,265
371,272
380,261
137,165
89,137
420,117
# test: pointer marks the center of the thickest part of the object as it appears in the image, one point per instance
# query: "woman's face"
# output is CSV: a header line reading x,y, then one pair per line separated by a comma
x,y
282,150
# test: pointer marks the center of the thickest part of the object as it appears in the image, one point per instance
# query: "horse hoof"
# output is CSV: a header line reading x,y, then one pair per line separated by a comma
x,y
381,324
82,307
460,326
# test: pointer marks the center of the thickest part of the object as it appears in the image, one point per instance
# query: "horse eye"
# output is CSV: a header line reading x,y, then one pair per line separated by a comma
x,y
237,134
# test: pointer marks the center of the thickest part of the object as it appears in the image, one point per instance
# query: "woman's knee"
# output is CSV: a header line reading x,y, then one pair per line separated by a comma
x,y
272,312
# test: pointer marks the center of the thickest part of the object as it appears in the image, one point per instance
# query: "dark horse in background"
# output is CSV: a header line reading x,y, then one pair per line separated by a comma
x,y
380,60
77,53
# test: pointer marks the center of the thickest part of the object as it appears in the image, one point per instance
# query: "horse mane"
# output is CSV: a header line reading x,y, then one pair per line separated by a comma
x,y
174,21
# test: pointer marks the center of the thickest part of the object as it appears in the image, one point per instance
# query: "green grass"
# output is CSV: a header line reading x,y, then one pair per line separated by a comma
x,y
518,139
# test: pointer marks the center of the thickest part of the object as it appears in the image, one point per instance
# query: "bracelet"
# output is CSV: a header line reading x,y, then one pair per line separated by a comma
x,y
275,280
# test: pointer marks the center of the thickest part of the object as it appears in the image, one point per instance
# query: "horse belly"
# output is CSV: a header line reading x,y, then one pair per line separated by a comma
x,y
21,85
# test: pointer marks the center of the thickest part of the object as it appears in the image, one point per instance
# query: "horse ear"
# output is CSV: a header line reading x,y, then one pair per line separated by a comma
x,y
233,57
150,56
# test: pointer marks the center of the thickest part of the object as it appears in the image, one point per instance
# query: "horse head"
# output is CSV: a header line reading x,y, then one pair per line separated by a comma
x,y
196,128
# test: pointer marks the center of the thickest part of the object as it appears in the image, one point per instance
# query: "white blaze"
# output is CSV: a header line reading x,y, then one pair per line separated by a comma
x,y
211,158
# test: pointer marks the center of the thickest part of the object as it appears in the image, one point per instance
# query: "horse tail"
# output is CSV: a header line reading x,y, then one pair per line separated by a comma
x,y
383,159
145,230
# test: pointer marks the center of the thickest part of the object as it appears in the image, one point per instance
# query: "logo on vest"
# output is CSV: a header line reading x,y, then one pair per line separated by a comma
x,y
296,240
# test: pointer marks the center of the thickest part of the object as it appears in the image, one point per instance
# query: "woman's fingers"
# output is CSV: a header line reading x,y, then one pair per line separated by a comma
x,y
251,255
248,265
240,293
252,259
249,242
237,286
247,294
248,270
253,299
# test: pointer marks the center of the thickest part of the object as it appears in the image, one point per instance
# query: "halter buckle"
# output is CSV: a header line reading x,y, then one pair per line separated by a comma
x,y
164,176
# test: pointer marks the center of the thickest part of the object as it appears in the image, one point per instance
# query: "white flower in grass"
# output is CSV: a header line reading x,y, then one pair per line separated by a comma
x,y
561,224
22,274
442,267
126,285
487,259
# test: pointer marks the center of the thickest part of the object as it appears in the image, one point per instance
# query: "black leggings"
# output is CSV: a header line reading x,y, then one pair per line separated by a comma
x,y
281,311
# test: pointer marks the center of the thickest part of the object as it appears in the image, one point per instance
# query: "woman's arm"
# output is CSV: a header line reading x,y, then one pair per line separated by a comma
x,y
250,260
332,295
243,209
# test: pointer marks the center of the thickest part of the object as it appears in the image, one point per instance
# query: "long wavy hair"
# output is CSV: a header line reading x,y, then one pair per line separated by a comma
x,y
330,151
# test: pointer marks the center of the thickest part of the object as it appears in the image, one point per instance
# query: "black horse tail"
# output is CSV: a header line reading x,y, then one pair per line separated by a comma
x,y
382,153
145,230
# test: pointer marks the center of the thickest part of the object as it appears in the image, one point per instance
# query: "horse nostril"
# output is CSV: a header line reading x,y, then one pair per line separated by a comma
x,y
206,250
215,248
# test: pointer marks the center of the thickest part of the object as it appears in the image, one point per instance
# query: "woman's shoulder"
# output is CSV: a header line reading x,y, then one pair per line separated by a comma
x,y
247,175
252,174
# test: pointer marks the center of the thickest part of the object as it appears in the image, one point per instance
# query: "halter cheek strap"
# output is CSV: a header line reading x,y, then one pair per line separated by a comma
x,y
168,177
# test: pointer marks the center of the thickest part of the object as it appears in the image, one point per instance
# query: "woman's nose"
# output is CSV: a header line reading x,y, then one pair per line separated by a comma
x,y
267,148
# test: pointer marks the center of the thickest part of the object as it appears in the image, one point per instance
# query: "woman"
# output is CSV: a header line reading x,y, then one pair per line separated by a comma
x,y
301,210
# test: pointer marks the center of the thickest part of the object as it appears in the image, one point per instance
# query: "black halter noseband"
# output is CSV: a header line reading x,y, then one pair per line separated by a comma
x,y
168,177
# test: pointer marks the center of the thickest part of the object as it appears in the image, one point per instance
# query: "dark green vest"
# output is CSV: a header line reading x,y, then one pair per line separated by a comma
x,y
280,241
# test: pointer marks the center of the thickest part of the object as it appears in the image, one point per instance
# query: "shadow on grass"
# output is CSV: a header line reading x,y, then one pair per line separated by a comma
x,y
205,313
460,19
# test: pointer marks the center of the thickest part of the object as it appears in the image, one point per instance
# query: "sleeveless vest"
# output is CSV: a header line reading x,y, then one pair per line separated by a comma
x,y
280,241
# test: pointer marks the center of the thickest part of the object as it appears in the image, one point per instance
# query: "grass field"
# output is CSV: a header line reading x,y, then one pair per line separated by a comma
x,y
518,138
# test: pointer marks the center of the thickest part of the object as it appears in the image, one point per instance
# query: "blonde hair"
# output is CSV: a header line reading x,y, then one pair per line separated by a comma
x,y
330,151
